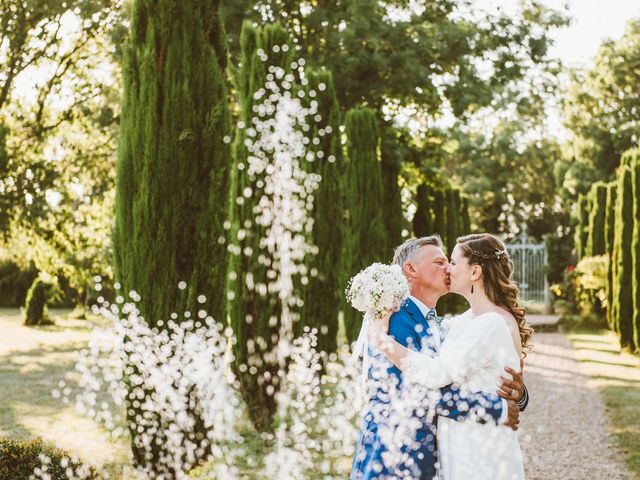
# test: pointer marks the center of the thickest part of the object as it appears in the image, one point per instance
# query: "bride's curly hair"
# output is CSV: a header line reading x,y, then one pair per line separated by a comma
x,y
491,254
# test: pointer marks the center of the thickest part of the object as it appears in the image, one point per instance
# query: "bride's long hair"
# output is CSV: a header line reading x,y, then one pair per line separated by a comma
x,y
491,254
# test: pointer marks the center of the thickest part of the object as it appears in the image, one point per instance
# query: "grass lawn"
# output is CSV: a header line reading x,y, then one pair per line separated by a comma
x,y
617,375
33,360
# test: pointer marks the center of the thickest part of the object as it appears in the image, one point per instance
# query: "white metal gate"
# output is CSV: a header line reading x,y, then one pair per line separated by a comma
x,y
530,264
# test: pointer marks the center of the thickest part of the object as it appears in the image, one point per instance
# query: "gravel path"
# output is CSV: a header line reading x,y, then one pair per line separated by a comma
x,y
564,433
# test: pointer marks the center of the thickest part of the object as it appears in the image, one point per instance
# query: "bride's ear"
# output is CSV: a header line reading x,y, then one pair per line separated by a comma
x,y
476,272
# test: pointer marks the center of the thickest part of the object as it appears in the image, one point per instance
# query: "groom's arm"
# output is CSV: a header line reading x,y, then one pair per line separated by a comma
x,y
481,407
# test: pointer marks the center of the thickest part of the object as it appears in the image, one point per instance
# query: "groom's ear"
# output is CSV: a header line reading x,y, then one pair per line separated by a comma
x,y
409,270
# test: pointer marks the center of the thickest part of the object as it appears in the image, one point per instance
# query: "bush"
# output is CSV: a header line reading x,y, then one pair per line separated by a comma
x,y
19,459
14,283
591,282
35,309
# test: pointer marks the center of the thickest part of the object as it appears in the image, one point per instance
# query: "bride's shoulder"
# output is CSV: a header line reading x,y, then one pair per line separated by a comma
x,y
499,318
502,320
451,320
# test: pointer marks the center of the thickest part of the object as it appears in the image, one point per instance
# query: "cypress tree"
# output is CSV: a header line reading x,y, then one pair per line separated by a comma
x,y
452,218
323,295
454,224
582,225
465,224
595,232
635,247
629,157
439,214
5,202
254,311
609,238
423,218
622,282
391,161
365,239
173,168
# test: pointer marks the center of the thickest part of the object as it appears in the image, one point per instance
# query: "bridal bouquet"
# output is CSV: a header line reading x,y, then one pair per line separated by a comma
x,y
374,291
378,289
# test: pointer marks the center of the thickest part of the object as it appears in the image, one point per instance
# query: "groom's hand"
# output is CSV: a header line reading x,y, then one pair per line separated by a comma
x,y
513,418
512,389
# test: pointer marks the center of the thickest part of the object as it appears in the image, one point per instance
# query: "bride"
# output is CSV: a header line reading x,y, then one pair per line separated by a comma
x,y
477,345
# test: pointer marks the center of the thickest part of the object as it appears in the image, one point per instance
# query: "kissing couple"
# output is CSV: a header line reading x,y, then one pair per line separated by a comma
x,y
445,394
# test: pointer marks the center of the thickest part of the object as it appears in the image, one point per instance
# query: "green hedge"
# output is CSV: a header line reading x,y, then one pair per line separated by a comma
x,y
19,459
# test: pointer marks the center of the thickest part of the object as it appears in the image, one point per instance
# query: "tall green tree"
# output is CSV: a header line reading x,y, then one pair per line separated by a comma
x,y
635,247
374,59
485,164
595,233
440,213
365,239
454,222
609,235
323,295
173,168
465,224
423,218
623,281
630,156
601,110
40,127
391,162
254,312
581,231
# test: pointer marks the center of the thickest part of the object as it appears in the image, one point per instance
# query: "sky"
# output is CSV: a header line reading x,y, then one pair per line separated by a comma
x,y
593,21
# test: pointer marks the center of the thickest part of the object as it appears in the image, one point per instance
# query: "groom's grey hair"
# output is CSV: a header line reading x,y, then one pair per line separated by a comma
x,y
410,249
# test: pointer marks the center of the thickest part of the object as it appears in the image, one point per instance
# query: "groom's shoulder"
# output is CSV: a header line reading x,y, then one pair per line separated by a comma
x,y
402,325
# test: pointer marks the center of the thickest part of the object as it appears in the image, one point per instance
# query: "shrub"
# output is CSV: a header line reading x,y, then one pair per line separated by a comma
x,y
35,307
19,460
591,282
14,283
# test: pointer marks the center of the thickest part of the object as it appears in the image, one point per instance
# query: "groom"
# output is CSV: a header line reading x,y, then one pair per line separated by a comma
x,y
416,326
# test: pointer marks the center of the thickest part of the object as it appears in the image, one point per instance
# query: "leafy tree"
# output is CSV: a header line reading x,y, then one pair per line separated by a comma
x,y
57,151
601,111
38,139
376,58
426,63
508,183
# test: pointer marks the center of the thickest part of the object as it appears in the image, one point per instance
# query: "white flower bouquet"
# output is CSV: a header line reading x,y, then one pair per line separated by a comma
x,y
378,289
375,291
